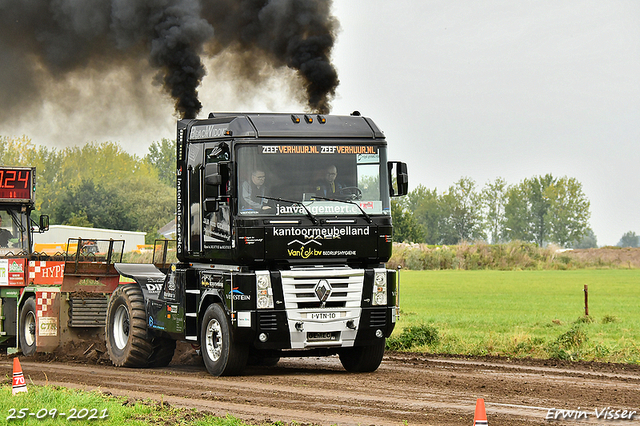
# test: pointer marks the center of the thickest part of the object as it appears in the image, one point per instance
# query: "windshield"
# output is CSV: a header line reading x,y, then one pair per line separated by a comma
x,y
13,231
275,179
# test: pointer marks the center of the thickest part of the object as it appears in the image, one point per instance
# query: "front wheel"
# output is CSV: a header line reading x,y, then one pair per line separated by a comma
x,y
126,329
222,356
362,359
28,327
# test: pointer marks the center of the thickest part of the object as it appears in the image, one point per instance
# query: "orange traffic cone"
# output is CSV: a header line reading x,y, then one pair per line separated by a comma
x,y
19,385
480,418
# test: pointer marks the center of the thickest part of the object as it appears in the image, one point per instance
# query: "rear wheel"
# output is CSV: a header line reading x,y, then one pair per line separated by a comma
x,y
28,327
222,356
362,359
126,329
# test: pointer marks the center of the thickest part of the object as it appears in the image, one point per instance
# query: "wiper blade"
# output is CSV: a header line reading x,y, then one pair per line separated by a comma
x,y
16,221
369,220
309,214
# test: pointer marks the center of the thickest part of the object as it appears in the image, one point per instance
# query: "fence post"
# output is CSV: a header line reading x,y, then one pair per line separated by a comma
x,y
586,300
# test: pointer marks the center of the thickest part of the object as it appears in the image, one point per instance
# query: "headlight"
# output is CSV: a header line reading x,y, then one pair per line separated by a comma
x,y
380,287
264,291
263,281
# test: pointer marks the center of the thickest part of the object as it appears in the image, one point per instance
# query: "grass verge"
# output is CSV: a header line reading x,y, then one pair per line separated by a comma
x,y
535,314
48,403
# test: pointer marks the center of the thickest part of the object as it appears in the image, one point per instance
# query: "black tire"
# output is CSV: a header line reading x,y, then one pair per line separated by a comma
x,y
163,350
262,360
362,359
221,355
28,327
126,329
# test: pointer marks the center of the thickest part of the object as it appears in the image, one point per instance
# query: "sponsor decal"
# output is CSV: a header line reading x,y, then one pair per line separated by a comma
x,y
4,274
14,266
156,324
49,273
367,205
368,158
238,295
212,281
251,240
316,149
326,233
48,326
153,288
317,207
207,132
305,252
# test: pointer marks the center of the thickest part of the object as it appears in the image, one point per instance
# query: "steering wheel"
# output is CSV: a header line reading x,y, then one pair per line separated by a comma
x,y
351,192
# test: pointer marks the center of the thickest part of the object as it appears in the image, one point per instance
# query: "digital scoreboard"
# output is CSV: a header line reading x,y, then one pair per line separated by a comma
x,y
17,184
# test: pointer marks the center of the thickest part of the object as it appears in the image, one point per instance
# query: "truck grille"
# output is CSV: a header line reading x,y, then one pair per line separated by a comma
x,y
268,321
299,287
378,319
87,311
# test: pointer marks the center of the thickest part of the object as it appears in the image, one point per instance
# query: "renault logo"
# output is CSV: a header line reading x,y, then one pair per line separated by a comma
x,y
323,290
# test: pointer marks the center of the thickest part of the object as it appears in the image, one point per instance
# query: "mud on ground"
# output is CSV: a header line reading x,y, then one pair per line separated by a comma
x,y
408,388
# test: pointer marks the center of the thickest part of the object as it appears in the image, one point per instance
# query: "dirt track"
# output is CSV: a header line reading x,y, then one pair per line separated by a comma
x,y
406,389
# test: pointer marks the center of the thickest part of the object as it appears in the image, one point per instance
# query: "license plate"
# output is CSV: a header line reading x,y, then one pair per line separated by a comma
x,y
323,315
324,336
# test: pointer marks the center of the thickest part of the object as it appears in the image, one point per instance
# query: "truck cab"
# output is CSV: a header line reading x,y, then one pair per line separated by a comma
x,y
283,228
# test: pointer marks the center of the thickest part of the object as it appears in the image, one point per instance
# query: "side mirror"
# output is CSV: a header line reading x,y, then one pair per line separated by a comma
x,y
212,174
402,178
211,205
44,223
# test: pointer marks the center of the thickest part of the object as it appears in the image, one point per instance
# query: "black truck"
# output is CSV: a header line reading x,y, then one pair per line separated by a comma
x,y
283,226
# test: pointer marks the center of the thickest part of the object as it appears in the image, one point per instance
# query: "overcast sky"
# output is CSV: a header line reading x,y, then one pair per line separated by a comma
x,y
514,89
488,89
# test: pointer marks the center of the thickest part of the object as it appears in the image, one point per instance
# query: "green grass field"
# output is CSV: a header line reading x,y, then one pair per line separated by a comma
x,y
538,314
52,405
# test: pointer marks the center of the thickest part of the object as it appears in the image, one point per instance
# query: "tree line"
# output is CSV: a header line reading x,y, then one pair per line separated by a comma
x,y
540,210
100,185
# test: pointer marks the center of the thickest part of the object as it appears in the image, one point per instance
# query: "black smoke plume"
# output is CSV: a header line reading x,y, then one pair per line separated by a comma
x,y
43,41
293,33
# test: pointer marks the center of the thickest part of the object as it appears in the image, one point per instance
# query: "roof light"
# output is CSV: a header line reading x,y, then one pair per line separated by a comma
x,y
321,119
295,118
308,119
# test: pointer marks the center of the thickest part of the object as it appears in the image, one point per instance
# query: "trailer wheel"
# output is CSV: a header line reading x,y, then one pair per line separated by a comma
x,y
126,328
222,356
163,350
28,327
362,359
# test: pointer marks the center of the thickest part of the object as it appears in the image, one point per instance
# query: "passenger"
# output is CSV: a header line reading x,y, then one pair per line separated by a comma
x,y
253,190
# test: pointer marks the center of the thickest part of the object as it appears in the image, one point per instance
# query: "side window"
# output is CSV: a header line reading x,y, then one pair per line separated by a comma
x,y
194,173
216,218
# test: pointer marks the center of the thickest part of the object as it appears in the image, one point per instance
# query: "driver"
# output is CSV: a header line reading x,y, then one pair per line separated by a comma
x,y
253,190
5,235
328,186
